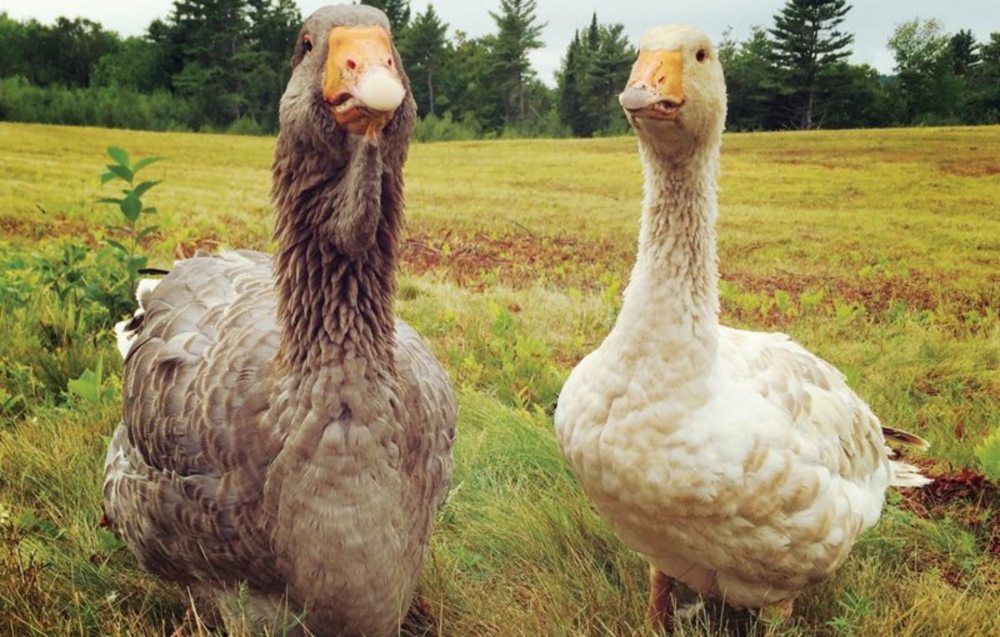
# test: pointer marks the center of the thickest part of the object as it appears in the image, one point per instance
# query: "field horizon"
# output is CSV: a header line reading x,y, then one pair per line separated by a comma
x,y
877,250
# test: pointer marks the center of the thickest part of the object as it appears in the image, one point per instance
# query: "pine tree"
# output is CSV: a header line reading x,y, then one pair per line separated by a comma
x,y
272,32
209,34
231,57
518,35
609,70
806,46
571,86
752,82
470,86
964,52
398,12
595,69
423,51
987,81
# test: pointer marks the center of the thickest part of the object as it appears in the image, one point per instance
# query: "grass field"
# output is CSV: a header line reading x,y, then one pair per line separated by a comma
x,y
878,250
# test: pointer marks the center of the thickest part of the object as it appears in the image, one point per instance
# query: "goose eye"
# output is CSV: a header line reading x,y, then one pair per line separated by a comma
x,y
701,55
307,43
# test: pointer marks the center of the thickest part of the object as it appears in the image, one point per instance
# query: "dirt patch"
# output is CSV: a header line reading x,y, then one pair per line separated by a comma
x,y
966,496
477,260
186,249
970,168
877,296
46,224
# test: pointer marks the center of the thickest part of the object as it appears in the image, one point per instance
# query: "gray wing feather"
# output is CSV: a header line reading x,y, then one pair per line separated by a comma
x,y
178,489
431,398
185,471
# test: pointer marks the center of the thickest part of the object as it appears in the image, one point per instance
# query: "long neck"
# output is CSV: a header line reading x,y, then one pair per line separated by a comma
x,y
670,310
337,229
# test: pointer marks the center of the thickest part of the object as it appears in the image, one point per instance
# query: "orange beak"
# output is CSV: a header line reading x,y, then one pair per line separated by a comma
x,y
655,89
362,86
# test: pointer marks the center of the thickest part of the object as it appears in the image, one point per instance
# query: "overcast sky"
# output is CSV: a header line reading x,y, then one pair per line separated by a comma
x,y
871,21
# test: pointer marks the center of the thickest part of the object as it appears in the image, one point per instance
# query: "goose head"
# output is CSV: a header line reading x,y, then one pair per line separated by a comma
x,y
676,95
347,77
346,117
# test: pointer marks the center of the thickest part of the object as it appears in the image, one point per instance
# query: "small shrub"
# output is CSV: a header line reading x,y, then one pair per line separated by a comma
x,y
132,209
439,129
245,126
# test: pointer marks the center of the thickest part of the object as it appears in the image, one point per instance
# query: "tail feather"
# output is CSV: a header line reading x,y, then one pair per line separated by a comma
x,y
125,331
907,475
905,438
903,473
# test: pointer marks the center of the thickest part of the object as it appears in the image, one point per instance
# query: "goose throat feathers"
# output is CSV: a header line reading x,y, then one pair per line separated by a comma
x,y
354,208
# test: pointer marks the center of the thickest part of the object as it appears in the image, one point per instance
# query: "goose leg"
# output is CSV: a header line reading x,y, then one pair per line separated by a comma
x,y
661,605
775,615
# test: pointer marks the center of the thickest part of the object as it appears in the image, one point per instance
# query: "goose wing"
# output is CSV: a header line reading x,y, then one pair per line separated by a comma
x,y
184,468
824,412
431,399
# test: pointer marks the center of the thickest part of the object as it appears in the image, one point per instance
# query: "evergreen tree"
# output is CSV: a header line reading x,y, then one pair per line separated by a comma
x,y
272,33
209,35
137,65
470,87
423,51
518,35
986,78
398,12
610,67
753,83
807,46
595,69
964,52
861,100
572,81
230,57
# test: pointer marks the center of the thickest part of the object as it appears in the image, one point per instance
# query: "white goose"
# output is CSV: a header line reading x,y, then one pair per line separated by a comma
x,y
736,462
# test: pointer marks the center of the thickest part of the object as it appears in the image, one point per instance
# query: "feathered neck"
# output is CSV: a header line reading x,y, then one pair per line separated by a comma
x,y
671,307
337,225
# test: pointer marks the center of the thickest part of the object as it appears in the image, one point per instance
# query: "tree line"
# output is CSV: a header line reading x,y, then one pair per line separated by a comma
x,y
221,65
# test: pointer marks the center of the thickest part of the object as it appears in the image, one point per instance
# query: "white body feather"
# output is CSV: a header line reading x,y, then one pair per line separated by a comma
x,y
748,486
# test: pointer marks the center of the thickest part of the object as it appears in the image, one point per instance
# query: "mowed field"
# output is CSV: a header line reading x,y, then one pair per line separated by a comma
x,y
878,250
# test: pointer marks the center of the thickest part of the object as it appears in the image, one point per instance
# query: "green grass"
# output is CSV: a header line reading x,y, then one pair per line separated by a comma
x,y
876,249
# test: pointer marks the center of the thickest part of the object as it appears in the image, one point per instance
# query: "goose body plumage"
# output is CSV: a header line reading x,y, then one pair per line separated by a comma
x,y
736,462
283,433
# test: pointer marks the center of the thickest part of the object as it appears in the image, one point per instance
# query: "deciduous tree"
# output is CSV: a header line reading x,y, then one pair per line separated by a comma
x,y
925,71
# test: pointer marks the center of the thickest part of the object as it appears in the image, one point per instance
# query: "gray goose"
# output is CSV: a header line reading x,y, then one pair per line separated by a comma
x,y
285,439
